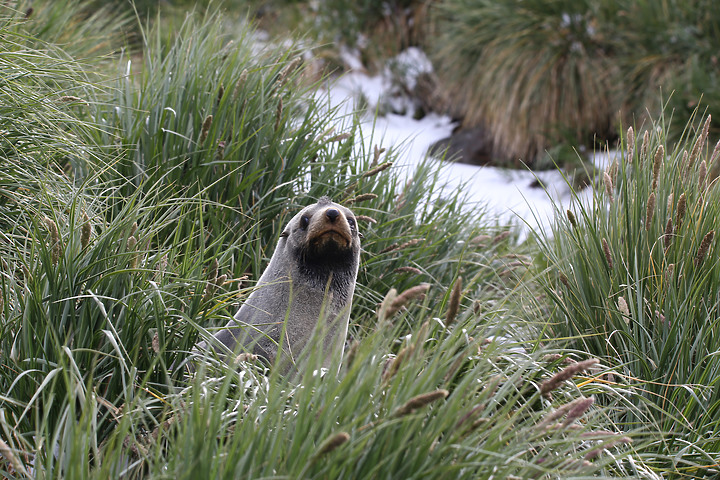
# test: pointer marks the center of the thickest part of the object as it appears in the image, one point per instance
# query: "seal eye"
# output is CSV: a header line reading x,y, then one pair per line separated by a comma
x,y
304,222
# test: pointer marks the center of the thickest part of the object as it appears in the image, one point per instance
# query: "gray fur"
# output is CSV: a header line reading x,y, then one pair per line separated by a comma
x,y
309,282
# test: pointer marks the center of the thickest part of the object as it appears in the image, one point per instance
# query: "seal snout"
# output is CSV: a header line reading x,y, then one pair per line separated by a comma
x,y
332,214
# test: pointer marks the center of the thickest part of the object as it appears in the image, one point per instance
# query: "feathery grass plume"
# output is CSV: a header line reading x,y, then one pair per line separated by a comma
x,y
608,253
384,310
680,212
669,205
16,463
644,148
700,142
565,374
213,271
704,247
221,92
131,244
72,99
650,211
156,342
376,170
85,232
350,355
393,247
715,154
397,362
401,300
207,123
480,240
55,246
500,237
559,412
413,270
365,218
454,304
612,170
685,163
377,151
288,70
630,144
607,181
571,217
220,151
659,156
623,309
278,114
702,175
339,137
667,236
362,198
420,401
239,84
331,443
563,279
349,190
578,410
669,272
595,452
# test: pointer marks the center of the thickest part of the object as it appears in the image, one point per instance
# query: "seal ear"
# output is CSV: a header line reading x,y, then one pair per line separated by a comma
x,y
361,235
284,234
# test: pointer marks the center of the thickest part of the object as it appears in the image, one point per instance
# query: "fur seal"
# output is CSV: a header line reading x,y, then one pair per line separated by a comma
x,y
306,289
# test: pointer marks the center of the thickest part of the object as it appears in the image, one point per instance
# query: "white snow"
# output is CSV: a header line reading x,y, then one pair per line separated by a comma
x,y
509,194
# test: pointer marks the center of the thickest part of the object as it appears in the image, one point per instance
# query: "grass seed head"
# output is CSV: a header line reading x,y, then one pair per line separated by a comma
x,y
667,236
85,232
55,246
680,212
239,84
362,198
704,247
454,304
412,293
365,218
565,374
630,144
278,113
607,181
702,176
623,309
221,92
420,401
571,218
131,246
700,142
374,171
332,442
413,270
659,156
207,123
377,151
645,147
650,212
397,362
608,253
578,408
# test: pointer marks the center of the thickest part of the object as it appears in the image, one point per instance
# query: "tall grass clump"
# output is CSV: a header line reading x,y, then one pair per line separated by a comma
x,y
634,279
541,72
545,72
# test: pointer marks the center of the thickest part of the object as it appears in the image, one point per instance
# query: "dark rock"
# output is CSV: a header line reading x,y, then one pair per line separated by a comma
x,y
465,145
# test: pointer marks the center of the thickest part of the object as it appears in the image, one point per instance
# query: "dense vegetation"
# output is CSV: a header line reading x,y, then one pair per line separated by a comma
x,y
142,190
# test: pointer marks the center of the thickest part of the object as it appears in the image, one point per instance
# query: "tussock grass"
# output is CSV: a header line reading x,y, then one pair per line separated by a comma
x,y
634,280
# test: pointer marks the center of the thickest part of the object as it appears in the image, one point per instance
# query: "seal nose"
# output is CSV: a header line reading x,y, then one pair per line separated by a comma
x,y
332,214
